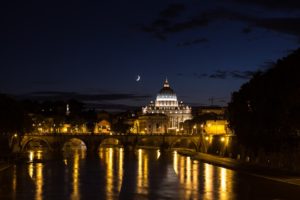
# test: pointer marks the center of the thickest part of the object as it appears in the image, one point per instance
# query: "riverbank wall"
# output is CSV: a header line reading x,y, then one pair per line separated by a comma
x,y
285,158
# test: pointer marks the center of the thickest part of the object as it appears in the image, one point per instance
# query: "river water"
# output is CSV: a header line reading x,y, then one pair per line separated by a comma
x,y
115,173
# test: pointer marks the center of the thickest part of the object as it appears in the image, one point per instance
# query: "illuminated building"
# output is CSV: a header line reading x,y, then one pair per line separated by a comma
x,y
216,127
102,127
166,103
150,123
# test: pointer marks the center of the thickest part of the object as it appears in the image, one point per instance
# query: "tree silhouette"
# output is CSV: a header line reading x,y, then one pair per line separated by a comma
x,y
13,120
12,117
264,113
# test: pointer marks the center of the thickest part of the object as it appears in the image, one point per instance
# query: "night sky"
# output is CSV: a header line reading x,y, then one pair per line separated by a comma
x,y
94,50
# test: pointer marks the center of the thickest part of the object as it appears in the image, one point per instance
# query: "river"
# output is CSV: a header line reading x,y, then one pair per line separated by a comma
x,y
115,173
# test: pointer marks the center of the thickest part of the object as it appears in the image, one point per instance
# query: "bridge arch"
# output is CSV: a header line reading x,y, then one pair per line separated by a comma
x,y
73,144
110,142
184,143
35,143
146,141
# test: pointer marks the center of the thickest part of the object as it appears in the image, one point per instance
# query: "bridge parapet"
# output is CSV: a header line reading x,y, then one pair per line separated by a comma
x,y
55,142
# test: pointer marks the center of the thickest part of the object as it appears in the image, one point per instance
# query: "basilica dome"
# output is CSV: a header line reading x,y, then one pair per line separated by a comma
x,y
166,93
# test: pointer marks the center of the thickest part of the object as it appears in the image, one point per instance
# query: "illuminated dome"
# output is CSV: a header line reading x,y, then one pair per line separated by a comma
x,y
166,96
166,90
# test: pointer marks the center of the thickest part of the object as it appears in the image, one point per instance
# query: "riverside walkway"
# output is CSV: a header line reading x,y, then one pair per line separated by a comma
x,y
249,168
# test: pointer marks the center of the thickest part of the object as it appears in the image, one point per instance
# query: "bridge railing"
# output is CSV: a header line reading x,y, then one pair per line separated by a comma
x,y
113,134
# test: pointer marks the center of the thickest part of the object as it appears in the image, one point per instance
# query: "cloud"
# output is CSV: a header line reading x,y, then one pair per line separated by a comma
x,y
200,76
57,95
173,10
163,27
219,74
242,74
288,26
111,107
247,30
285,25
113,102
192,42
267,65
186,25
222,74
160,29
166,23
287,5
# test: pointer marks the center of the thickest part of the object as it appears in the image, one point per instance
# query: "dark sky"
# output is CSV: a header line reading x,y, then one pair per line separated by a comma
x,y
94,50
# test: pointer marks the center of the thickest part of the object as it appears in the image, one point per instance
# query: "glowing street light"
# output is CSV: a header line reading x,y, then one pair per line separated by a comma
x,y
222,139
195,128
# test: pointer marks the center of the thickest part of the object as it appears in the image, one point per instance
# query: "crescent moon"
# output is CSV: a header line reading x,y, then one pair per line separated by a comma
x,y
138,78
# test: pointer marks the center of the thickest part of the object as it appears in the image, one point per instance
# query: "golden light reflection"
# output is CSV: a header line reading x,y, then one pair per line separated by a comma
x,y
181,169
14,182
31,156
75,177
39,181
30,170
120,171
195,178
110,173
66,161
157,154
208,181
223,176
113,159
35,155
35,171
175,162
225,189
187,172
142,175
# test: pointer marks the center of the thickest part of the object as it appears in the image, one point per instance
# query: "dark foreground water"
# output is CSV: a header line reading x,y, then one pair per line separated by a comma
x,y
142,174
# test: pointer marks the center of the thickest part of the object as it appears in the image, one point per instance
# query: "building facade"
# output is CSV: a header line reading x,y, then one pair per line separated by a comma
x,y
150,124
166,103
102,127
216,127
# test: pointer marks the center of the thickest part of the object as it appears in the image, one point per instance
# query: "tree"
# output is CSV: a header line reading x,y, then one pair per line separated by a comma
x,y
12,120
12,117
264,113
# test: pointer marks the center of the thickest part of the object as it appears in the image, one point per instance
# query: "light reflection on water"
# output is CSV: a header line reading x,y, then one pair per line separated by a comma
x,y
213,182
35,172
216,182
115,173
113,159
142,176
72,159
187,171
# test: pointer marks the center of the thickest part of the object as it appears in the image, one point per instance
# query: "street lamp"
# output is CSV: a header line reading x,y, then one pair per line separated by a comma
x,y
222,139
202,125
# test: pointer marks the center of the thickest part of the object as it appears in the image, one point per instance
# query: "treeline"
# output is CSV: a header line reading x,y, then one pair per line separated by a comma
x,y
265,112
13,117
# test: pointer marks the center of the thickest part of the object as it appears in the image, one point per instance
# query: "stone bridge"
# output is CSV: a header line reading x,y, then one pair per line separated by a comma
x,y
93,142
